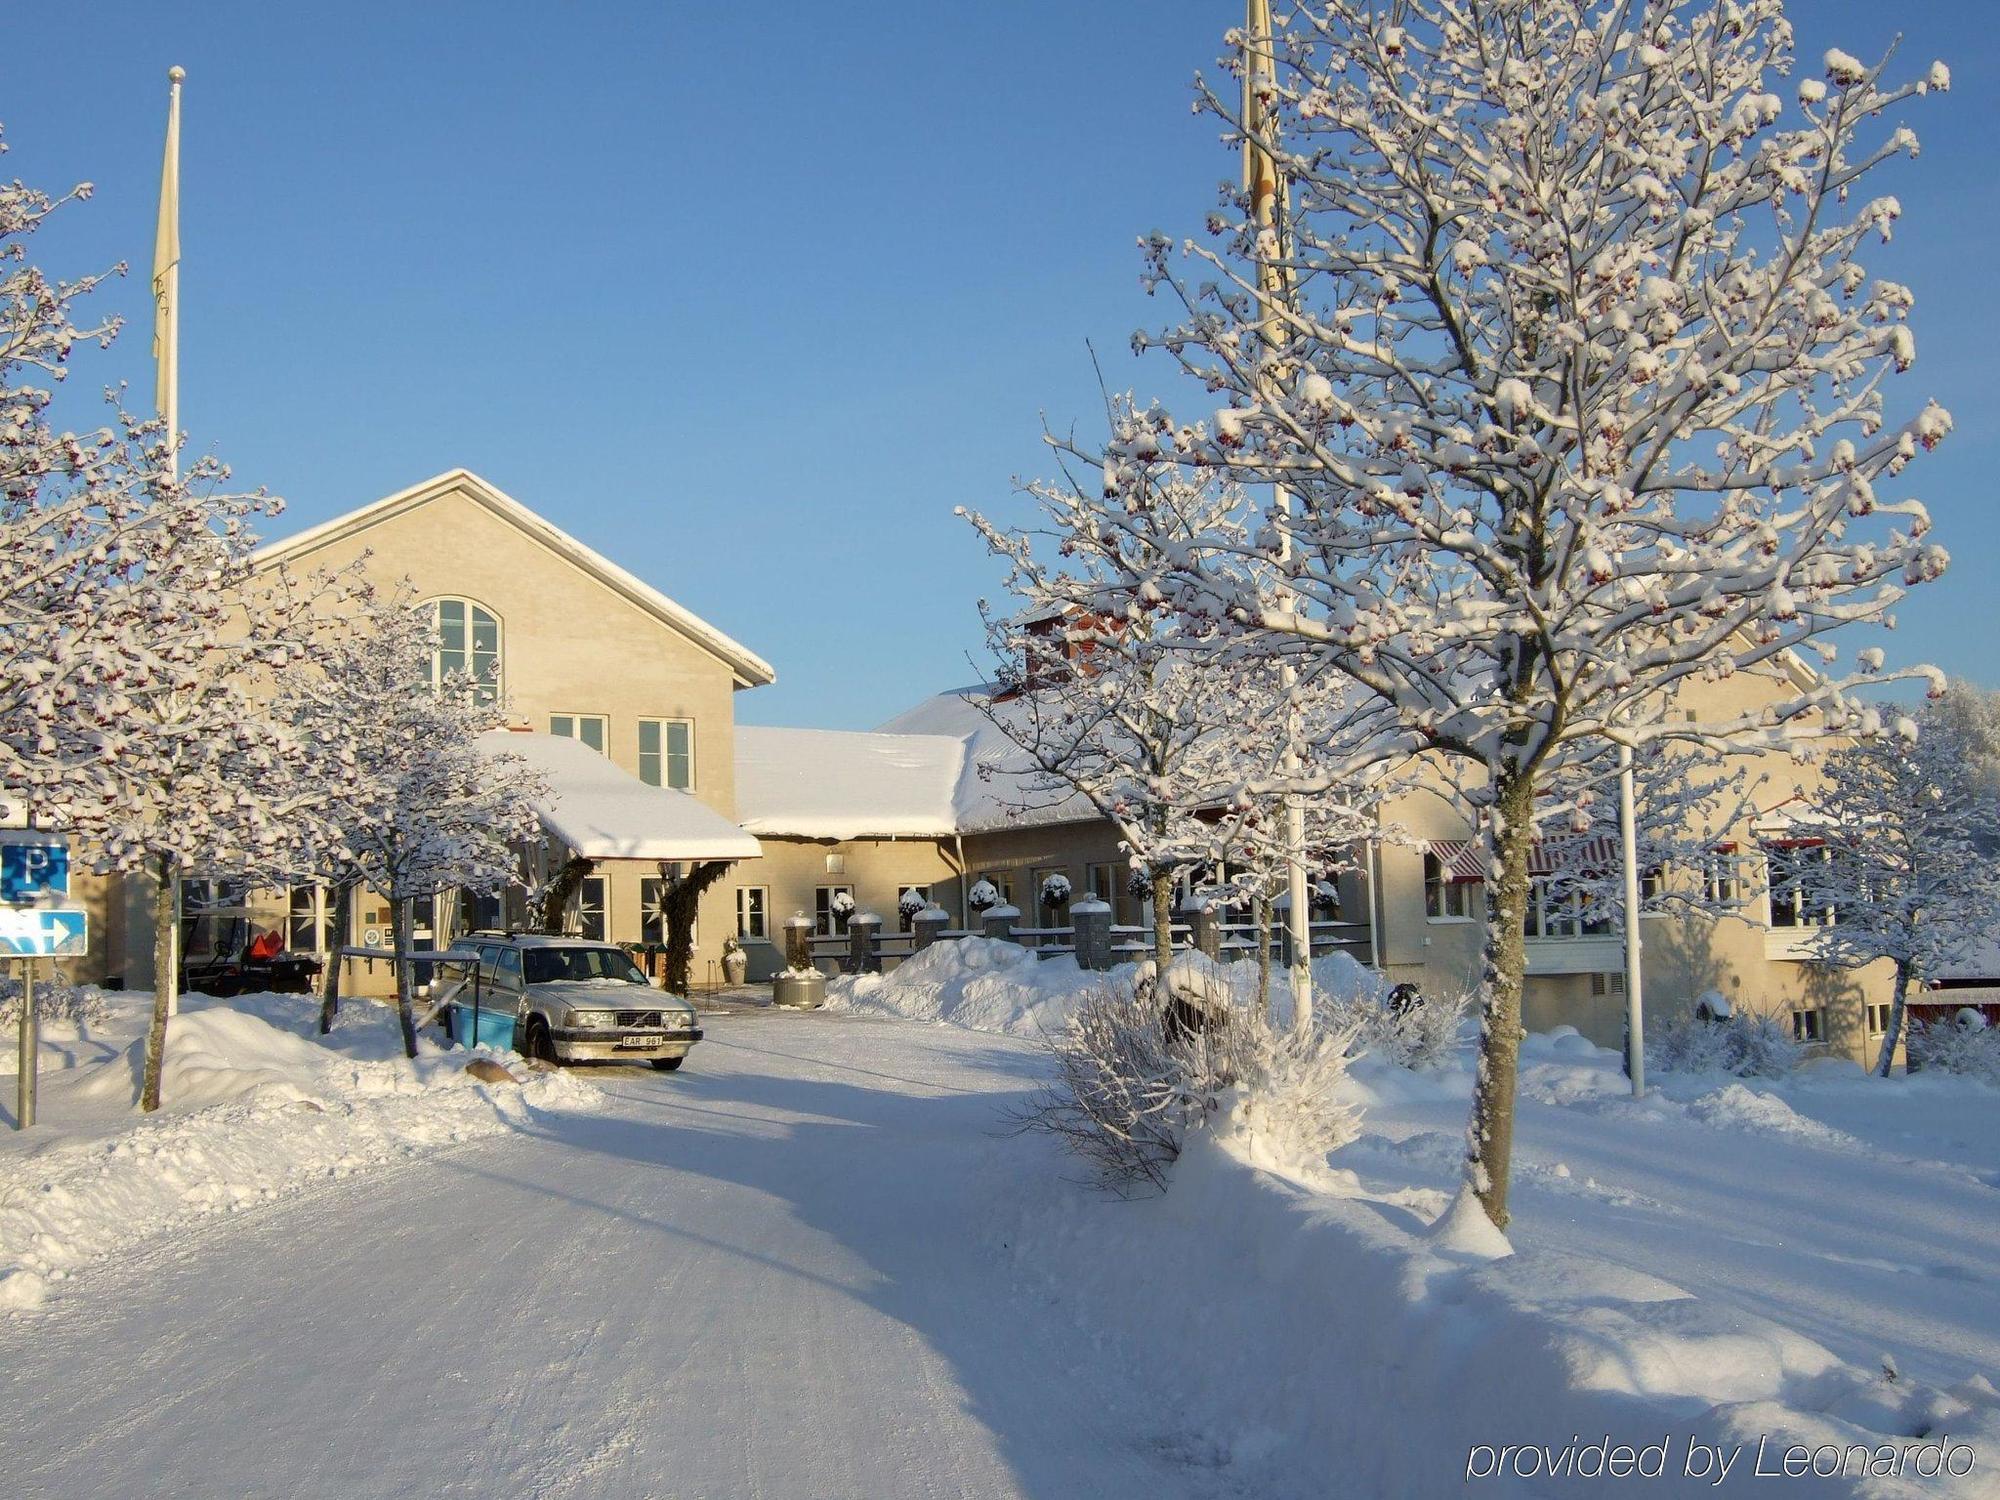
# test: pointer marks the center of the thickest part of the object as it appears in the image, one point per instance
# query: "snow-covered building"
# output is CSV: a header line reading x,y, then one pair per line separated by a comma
x,y
579,649
1415,903
626,701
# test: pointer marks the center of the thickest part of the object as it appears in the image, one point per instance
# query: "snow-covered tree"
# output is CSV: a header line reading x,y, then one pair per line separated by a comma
x,y
1552,324
426,809
1165,727
129,637
1900,868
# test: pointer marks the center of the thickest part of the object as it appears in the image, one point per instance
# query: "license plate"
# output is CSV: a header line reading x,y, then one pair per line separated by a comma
x,y
638,1041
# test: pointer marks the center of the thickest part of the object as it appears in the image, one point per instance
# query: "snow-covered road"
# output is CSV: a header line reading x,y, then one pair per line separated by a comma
x,y
777,1273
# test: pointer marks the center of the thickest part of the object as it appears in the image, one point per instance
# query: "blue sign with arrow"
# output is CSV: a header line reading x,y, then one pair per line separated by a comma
x,y
43,932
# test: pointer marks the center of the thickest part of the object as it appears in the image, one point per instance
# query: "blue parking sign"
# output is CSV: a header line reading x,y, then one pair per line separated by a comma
x,y
33,871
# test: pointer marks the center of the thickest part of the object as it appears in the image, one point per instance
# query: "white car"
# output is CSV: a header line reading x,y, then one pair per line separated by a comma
x,y
565,1000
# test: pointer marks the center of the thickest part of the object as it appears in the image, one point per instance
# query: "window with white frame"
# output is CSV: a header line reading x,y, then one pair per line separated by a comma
x,y
309,919
1726,877
1800,883
832,906
590,728
653,909
753,905
1104,881
1808,1025
592,908
1449,896
1565,911
467,643
1003,882
666,753
905,920
1878,1018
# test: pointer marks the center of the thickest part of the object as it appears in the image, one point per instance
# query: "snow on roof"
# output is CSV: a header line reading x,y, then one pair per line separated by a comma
x,y
840,784
603,811
749,669
1982,963
996,785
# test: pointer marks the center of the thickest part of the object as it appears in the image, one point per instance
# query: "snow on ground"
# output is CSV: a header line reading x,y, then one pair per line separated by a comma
x,y
1722,1259
258,1107
814,1263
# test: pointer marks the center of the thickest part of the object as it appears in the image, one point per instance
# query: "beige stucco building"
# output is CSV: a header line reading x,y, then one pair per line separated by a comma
x,y
843,823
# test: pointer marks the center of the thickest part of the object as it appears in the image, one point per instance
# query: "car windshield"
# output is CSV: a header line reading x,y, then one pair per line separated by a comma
x,y
556,965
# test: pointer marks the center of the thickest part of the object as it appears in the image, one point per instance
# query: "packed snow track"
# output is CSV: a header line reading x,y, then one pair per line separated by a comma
x,y
780,1272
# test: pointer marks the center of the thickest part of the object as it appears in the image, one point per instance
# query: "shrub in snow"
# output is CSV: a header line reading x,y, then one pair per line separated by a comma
x,y
1745,1045
1055,891
983,896
56,999
1964,1044
1405,1027
909,904
841,904
1140,1066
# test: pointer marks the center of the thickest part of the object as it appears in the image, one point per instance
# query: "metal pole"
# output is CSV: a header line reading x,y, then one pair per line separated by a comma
x,y
25,1068
1635,1005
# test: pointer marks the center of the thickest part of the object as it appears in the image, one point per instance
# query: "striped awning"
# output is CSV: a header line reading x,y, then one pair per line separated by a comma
x,y
1465,859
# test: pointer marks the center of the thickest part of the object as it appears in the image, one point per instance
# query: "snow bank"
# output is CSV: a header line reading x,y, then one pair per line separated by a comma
x,y
1398,1341
258,1108
983,984
986,984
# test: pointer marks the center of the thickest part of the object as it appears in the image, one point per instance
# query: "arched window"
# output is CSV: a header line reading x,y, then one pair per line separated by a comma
x,y
468,641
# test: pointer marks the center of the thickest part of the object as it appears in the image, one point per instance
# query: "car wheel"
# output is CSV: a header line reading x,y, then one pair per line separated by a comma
x,y
541,1047
666,1064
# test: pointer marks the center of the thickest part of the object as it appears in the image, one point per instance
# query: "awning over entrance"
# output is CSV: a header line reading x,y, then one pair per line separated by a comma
x,y
1464,859
605,812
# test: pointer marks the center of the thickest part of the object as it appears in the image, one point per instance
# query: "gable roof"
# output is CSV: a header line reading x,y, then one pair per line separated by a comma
x,y
749,669
844,784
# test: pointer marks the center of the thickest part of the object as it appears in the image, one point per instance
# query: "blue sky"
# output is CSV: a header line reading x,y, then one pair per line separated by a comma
x,y
750,297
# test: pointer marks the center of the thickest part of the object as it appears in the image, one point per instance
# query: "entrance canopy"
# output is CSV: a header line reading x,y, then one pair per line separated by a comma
x,y
602,811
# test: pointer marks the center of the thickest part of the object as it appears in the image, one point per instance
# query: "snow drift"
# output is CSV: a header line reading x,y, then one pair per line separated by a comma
x,y
259,1107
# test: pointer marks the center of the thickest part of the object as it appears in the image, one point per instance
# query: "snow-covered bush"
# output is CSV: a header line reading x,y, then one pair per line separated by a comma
x,y
1406,1027
841,904
1745,1045
983,896
1964,1044
1055,891
56,999
1136,1071
909,904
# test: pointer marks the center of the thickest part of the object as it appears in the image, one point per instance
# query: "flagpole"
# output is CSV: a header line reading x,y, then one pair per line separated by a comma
x,y
167,279
167,385
1262,182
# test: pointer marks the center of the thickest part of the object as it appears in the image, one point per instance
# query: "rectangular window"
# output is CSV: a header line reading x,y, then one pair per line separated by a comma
x,y
905,920
306,924
832,906
1799,885
592,913
1003,882
753,924
1806,1025
1104,881
1448,897
481,911
666,753
586,727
